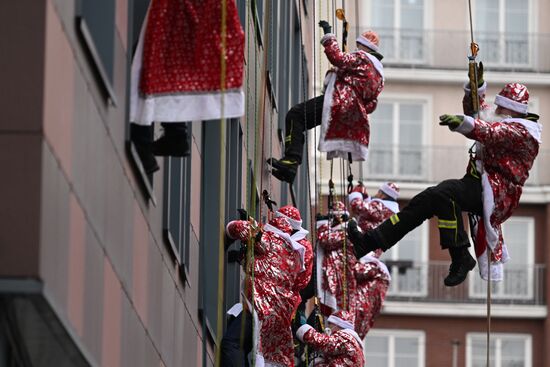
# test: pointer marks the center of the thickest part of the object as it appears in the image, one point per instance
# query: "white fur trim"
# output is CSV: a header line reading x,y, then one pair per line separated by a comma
x,y
365,42
227,230
355,335
496,269
354,196
235,310
391,205
320,223
371,259
325,296
376,63
510,104
178,107
339,322
295,224
491,235
534,128
296,246
302,330
388,190
466,126
480,91
327,37
300,234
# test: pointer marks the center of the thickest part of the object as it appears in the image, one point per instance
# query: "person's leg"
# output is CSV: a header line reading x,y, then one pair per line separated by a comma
x,y
142,137
174,142
233,351
299,118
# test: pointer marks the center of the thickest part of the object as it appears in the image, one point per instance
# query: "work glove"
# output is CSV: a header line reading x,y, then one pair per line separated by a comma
x,y
326,26
452,121
480,80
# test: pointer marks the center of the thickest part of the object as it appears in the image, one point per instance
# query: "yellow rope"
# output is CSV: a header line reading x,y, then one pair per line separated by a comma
x,y
489,307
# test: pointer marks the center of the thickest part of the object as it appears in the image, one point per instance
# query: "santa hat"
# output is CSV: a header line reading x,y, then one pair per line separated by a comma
x,y
291,214
281,224
343,319
338,208
513,96
391,189
369,39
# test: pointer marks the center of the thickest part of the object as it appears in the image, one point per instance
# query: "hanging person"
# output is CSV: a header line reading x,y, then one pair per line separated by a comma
x,y
176,74
340,347
352,89
507,142
371,211
278,262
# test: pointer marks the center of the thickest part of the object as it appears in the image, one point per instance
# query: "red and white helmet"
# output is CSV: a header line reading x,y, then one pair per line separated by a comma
x,y
391,189
343,319
291,214
369,39
282,224
513,96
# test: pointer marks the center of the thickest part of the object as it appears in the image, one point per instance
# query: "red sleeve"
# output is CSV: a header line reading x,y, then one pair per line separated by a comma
x,y
373,211
342,60
331,240
328,344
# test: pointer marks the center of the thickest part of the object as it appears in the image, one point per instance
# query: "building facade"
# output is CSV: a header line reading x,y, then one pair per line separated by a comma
x,y
425,44
100,263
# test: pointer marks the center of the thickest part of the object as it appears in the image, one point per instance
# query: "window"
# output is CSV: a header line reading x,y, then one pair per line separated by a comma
x,y
519,272
233,184
400,25
396,142
413,247
177,195
506,350
96,23
502,27
394,348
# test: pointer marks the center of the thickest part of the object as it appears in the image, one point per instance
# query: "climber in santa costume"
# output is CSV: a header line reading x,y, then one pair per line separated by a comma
x,y
335,263
176,73
352,89
342,347
278,261
507,142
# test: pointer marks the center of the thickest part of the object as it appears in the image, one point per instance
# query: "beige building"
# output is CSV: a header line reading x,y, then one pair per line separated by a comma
x,y
425,44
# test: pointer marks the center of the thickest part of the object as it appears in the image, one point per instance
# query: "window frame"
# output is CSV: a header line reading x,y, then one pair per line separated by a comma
x,y
532,27
89,42
427,42
500,291
497,337
396,99
424,247
391,334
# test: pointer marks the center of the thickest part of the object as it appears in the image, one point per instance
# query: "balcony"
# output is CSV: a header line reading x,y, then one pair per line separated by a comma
x,y
423,282
433,164
446,49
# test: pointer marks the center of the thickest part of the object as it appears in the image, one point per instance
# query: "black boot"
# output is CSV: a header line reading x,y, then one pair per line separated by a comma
x,y
174,142
284,169
462,263
142,137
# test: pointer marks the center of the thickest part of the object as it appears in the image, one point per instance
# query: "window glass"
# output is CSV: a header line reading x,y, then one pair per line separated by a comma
x,y
395,348
506,350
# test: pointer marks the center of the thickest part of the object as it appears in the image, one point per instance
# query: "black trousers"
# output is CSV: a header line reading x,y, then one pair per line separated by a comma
x,y
233,352
301,117
447,201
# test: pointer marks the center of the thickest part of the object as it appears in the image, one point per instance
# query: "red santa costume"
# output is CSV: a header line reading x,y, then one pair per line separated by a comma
x,y
342,348
293,216
352,89
373,281
370,212
336,285
505,151
277,262
176,70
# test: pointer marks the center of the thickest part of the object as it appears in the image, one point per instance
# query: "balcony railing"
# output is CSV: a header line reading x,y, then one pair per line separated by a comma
x,y
434,164
423,282
446,49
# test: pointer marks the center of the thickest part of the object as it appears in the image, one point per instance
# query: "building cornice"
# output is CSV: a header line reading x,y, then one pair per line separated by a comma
x,y
463,310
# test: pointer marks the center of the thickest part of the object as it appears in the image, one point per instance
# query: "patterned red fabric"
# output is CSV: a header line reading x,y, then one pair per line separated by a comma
x,y
338,278
304,277
356,88
282,224
372,37
506,151
515,92
291,212
182,47
370,213
276,269
372,285
340,349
